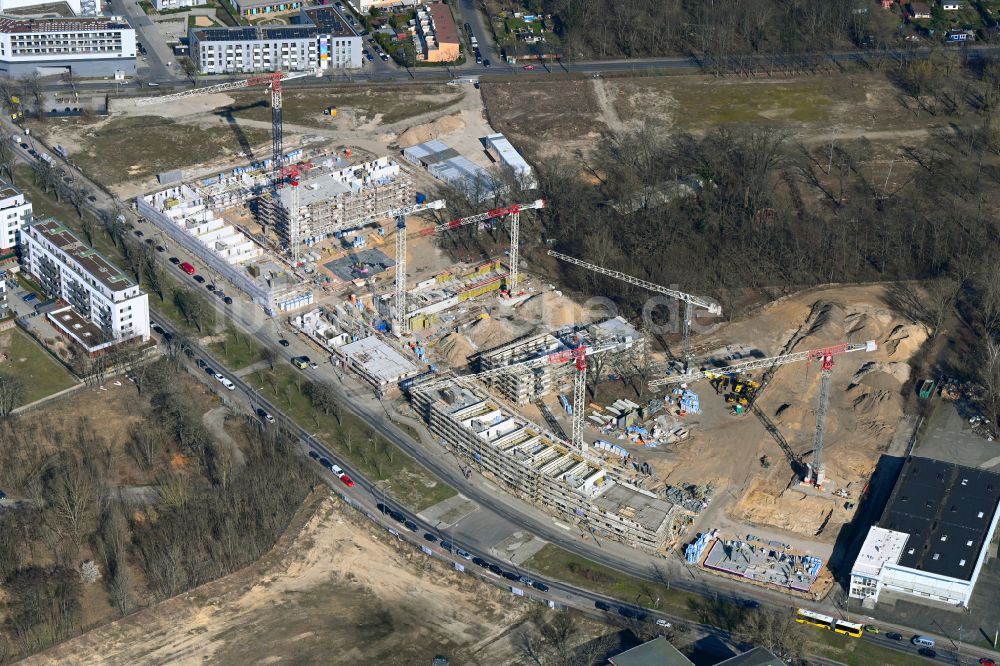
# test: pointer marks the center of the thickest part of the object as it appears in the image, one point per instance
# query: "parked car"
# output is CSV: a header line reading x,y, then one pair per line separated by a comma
x,y
509,575
893,636
602,605
410,525
660,622
325,463
463,554
529,68
188,268
447,545
209,370
199,279
283,342
751,603
267,417
160,248
174,260
986,661
348,481
486,62
313,455
138,233
541,587
149,241
227,300
225,381
152,84
480,562
28,298
872,629
495,569
210,287
430,537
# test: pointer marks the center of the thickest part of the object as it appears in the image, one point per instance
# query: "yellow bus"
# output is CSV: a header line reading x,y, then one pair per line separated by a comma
x,y
851,629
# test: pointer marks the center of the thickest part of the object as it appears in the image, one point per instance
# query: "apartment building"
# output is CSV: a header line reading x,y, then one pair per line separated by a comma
x,y
335,200
85,46
105,305
15,213
533,465
524,385
319,40
435,35
252,8
161,5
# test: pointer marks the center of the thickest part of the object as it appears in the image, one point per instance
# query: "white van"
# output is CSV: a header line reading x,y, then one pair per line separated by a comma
x,y
924,641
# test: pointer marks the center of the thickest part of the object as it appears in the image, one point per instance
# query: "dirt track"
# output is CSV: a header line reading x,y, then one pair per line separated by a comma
x,y
334,592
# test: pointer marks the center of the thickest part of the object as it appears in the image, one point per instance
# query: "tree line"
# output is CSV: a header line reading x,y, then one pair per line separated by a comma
x,y
208,514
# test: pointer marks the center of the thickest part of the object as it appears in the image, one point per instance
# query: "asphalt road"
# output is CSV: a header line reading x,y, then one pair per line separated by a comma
x,y
361,403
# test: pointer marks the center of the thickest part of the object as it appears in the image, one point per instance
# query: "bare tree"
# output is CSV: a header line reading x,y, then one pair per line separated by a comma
x,y
11,393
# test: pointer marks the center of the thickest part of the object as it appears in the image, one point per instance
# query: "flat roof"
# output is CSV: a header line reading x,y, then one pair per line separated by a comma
x,y
947,511
84,331
378,359
881,547
14,24
89,259
657,652
330,21
650,512
508,153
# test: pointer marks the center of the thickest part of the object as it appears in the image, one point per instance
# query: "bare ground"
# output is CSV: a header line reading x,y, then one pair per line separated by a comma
x,y
335,590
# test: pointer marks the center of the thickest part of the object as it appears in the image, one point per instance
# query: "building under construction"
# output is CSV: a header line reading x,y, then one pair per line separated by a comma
x,y
333,200
539,468
523,385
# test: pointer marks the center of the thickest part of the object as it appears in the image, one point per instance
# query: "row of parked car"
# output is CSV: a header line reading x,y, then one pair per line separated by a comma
x,y
336,469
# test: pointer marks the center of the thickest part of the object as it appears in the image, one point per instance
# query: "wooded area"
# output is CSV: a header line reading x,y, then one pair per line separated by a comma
x,y
720,28
210,510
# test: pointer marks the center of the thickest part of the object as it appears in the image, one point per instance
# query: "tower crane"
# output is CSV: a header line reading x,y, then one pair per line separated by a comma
x,y
578,355
401,322
515,223
689,300
815,470
274,80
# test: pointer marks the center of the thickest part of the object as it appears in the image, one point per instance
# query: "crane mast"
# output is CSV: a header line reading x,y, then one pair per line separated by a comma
x,y
689,300
815,476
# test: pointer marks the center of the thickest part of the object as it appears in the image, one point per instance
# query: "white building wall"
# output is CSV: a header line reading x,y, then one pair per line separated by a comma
x,y
15,212
128,308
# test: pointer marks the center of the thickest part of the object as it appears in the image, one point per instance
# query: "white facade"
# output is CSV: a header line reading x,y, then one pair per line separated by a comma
x,y
99,291
161,5
877,568
320,41
89,46
15,213
501,149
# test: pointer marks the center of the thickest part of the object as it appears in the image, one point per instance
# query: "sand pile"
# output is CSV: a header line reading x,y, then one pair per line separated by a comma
x,y
904,340
789,510
551,311
433,130
488,333
882,376
456,348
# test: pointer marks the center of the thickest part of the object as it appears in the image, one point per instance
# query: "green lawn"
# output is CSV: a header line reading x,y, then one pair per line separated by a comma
x,y
238,350
552,561
42,375
376,458
712,104
854,652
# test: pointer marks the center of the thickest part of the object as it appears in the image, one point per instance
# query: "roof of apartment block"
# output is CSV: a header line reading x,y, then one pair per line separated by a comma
x,y
87,257
13,24
329,21
947,511
445,30
8,191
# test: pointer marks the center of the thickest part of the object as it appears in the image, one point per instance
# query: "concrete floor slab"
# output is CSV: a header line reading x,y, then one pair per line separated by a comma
x,y
448,512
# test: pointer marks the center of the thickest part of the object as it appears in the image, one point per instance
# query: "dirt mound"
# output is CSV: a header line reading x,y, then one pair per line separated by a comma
x,y
551,310
432,130
456,348
487,333
790,510
882,376
904,340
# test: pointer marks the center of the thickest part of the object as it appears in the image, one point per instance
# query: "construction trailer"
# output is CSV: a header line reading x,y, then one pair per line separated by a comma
x,y
537,467
526,384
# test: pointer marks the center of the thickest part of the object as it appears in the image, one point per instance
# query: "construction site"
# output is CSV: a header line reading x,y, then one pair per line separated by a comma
x,y
768,426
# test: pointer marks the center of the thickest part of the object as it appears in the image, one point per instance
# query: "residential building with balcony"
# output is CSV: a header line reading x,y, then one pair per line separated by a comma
x,y
319,40
107,305
85,46
15,213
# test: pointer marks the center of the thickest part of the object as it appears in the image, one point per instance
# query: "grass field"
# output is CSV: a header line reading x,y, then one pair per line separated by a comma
x,y
238,350
553,561
305,107
42,375
378,459
859,653
124,149
799,101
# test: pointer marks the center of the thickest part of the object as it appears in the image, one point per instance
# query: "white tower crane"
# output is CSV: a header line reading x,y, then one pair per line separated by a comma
x,y
578,355
689,300
814,473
